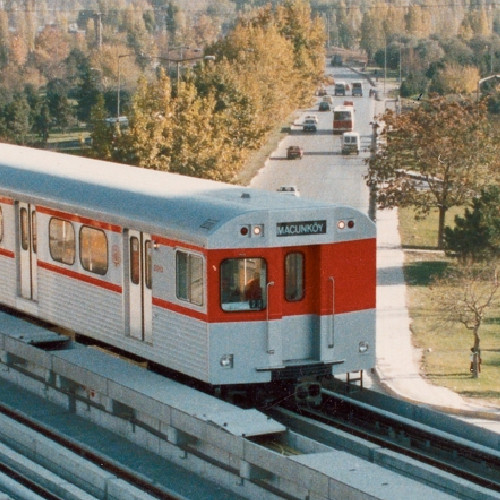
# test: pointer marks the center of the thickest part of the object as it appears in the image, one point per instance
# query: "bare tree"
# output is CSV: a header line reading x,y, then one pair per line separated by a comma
x,y
464,295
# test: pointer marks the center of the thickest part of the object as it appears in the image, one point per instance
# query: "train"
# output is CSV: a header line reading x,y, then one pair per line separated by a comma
x,y
231,286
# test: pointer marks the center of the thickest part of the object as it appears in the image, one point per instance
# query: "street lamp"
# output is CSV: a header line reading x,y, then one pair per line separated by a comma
x,y
483,80
179,60
118,90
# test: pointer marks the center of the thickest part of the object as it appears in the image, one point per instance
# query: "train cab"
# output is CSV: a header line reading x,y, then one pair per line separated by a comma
x,y
225,284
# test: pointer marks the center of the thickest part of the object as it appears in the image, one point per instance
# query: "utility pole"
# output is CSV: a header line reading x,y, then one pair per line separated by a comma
x,y
98,29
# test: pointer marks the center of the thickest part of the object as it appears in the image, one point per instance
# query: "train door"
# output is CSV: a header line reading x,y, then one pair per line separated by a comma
x,y
27,270
309,299
140,296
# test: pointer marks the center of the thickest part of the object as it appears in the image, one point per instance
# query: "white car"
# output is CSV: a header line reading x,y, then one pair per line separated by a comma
x,y
289,190
314,118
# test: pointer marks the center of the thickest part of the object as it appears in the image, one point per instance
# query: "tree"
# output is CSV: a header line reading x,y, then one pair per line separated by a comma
x,y
101,132
464,295
57,100
87,96
150,141
476,235
455,78
41,124
17,117
450,145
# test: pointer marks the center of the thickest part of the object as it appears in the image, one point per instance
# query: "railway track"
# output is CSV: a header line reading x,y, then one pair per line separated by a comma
x,y
384,432
452,455
43,480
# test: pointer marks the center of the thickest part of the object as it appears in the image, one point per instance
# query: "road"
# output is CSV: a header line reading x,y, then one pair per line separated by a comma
x,y
324,173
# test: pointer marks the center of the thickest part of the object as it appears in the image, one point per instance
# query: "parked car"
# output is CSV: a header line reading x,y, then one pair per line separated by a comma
x,y
293,152
328,98
323,106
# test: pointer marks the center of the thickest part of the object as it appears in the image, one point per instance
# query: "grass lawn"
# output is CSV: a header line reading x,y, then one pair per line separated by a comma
x,y
445,346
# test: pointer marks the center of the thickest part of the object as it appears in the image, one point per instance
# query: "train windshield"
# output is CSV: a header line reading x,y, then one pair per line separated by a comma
x,y
243,284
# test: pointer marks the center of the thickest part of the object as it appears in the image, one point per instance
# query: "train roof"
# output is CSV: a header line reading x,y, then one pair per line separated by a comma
x,y
190,207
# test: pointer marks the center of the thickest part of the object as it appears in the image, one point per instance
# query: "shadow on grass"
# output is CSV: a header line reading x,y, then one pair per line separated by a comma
x,y
492,321
481,394
422,273
457,376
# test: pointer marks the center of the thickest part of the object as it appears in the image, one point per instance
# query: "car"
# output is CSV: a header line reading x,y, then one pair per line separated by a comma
x,y
321,91
340,88
357,89
310,124
289,190
328,99
350,143
311,117
323,106
293,152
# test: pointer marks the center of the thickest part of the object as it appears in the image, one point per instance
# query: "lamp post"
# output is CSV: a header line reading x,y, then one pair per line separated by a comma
x,y
179,60
118,90
483,80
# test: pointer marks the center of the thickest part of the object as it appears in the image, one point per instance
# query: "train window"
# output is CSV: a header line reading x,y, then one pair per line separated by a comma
x,y
243,284
1,224
135,253
148,264
62,241
190,278
294,276
93,250
23,214
33,230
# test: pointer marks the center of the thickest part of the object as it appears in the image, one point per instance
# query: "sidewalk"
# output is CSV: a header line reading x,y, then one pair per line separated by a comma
x,y
397,360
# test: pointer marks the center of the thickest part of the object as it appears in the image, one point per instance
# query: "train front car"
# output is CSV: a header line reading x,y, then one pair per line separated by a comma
x,y
291,292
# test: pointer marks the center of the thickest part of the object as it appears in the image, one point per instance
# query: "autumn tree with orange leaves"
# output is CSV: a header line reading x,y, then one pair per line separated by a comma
x,y
438,155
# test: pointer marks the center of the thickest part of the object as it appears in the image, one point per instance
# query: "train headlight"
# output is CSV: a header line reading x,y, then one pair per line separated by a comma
x,y
363,346
258,230
342,224
226,361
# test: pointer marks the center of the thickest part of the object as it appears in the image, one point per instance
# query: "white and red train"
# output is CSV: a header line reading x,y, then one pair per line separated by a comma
x,y
229,285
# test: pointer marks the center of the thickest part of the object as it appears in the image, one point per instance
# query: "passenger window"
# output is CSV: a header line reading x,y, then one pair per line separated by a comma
x,y
33,230
62,241
1,224
93,250
294,276
134,260
148,264
190,283
24,228
243,284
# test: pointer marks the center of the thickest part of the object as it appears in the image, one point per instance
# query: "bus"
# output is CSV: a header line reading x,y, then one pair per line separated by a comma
x,y
343,119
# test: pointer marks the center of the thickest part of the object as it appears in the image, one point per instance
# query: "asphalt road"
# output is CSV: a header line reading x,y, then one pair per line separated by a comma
x,y
324,173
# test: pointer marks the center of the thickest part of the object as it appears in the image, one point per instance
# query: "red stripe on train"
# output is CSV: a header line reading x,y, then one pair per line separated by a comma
x,y
77,218
81,277
7,253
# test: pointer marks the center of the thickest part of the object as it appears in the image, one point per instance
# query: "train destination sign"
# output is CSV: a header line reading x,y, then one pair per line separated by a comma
x,y
301,228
